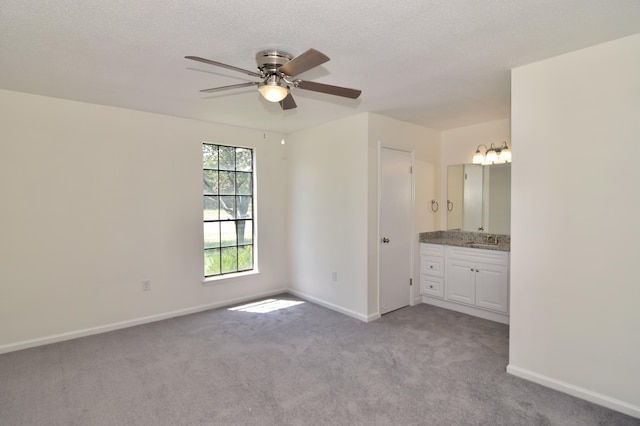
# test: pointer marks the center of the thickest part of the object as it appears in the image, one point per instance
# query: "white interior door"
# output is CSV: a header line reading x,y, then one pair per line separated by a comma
x,y
395,229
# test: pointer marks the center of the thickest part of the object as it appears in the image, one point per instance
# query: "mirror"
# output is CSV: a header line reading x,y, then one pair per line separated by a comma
x,y
479,198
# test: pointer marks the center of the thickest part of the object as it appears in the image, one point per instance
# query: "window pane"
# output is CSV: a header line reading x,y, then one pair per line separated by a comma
x,y
227,158
228,207
209,156
245,258
243,183
211,234
244,205
244,160
211,262
229,259
228,234
210,181
227,183
210,208
244,231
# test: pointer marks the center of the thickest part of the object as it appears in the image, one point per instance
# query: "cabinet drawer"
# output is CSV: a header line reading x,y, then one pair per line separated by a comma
x,y
431,286
493,257
431,249
432,265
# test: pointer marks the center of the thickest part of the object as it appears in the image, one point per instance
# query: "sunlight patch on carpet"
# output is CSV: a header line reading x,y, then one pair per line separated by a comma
x,y
264,306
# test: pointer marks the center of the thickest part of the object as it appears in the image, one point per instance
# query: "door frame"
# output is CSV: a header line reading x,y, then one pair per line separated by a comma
x,y
412,246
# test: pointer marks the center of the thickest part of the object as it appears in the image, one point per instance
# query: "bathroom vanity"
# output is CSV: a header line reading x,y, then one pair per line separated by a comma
x,y
461,271
466,267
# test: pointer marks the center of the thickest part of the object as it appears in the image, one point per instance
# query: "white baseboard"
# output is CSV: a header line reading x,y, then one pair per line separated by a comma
x,y
578,392
129,323
373,317
333,307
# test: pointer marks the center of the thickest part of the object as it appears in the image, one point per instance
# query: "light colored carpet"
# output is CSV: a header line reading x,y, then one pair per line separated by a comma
x,y
303,365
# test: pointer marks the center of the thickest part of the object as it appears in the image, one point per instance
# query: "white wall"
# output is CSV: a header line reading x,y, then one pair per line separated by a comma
x,y
333,198
575,292
459,145
425,145
327,187
96,199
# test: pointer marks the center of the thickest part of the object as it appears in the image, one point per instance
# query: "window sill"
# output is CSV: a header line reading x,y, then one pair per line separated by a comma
x,y
228,277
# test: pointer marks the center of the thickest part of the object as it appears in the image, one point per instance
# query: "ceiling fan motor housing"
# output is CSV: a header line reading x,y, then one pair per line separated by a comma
x,y
270,60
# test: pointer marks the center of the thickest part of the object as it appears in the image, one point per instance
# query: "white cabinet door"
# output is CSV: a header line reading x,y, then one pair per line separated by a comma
x,y
492,283
461,285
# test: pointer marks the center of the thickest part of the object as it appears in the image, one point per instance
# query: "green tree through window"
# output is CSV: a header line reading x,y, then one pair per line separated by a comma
x,y
227,174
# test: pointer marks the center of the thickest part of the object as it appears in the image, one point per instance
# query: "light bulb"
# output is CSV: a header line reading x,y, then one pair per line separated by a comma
x,y
505,155
492,156
272,90
478,158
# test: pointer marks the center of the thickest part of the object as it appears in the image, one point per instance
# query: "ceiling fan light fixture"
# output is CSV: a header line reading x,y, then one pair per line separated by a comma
x,y
272,90
277,72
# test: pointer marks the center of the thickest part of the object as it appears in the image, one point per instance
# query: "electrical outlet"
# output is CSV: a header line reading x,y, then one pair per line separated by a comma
x,y
146,285
334,276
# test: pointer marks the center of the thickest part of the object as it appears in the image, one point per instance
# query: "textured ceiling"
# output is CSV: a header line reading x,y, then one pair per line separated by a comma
x,y
438,63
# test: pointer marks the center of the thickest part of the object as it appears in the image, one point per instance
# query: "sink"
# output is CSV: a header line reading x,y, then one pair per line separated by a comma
x,y
478,244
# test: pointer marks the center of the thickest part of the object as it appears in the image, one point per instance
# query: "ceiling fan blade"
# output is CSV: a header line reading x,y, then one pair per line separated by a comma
x,y
220,64
288,103
304,62
233,86
329,89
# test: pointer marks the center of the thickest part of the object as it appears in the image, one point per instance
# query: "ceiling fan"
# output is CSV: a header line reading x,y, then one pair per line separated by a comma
x,y
276,70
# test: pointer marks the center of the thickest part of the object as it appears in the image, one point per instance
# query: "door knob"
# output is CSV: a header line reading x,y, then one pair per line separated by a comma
x,y
385,240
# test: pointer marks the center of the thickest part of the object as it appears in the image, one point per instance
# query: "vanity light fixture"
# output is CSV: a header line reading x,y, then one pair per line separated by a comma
x,y
493,154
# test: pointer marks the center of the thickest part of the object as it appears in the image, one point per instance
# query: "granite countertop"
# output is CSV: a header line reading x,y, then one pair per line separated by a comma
x,y
466,239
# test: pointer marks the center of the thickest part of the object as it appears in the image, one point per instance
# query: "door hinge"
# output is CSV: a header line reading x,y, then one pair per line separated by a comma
x,y
410,170
410,282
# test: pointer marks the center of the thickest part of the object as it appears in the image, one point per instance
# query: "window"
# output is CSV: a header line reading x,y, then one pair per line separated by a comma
x,y
227,173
